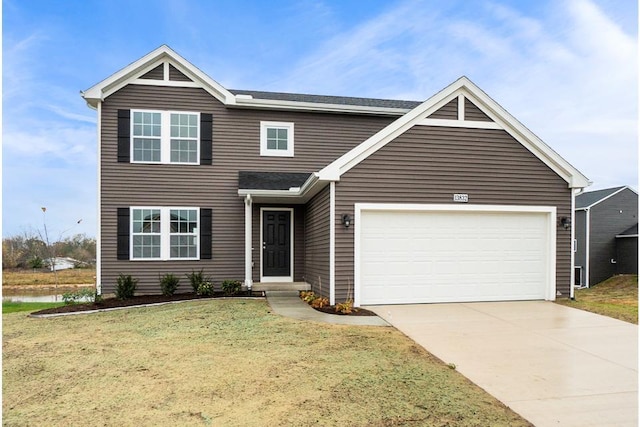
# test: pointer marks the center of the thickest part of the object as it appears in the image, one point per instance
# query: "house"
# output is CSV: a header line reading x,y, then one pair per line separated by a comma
x,y
606,223
61,263
379,201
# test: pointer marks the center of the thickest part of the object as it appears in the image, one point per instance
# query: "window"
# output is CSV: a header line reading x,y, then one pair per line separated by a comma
x,y
165,137
276,139
164,233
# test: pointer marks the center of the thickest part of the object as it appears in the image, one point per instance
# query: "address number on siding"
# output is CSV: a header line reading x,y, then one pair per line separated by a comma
x,y
462,198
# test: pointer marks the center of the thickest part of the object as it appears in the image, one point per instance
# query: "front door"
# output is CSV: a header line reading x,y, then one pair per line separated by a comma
x,y
276,244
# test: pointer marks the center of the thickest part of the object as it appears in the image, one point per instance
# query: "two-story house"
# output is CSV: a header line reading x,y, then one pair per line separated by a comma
x,y
382,201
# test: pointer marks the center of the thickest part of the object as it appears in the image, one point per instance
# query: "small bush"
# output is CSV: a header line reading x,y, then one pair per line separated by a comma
x,y
205,289
345,307
231,287
169,284
36,262
126,287
320,302
308,296
197,278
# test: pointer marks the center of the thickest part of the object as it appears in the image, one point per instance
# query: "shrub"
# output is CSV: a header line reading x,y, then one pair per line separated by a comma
x,y
231,287
205,289
344,307
308,296
168,284
126,287
36,262
196,279
320,302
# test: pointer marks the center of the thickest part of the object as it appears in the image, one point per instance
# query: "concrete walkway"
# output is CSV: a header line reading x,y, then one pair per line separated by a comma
x,y
289,304
554,365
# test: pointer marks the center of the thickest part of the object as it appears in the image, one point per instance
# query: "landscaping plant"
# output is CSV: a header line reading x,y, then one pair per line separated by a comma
x,y
197,278
126,286
205,289
169,284
231,287
84,295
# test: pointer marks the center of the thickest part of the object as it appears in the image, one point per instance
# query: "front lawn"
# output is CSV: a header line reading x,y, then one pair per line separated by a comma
x,y
616,297
231,363
15,307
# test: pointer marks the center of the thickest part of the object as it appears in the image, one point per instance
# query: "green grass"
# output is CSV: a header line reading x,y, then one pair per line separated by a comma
x,y
228,363
616,297
15,307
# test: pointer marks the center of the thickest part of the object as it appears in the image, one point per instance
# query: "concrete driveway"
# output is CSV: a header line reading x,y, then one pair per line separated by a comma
x,y
553,365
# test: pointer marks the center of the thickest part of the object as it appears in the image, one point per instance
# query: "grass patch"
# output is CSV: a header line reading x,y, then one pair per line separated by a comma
x,y
73,276
15,307
232,363
616,297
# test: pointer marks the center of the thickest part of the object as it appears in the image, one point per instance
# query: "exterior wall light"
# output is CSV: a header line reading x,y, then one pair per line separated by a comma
x,y
346,220
565,222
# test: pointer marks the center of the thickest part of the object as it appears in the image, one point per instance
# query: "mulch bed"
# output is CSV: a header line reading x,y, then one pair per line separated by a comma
x,y
354,312
141,300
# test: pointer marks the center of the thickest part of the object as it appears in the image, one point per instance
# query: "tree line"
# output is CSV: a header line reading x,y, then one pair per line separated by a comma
x,y
29,250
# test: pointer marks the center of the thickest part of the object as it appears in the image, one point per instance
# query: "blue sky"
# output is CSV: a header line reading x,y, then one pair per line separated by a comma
x,y
567,69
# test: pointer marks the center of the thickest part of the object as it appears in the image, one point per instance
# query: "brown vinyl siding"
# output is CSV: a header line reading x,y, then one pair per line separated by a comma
x,y
236,146
155,74
176,75
317,242
448,111
472,112
429,164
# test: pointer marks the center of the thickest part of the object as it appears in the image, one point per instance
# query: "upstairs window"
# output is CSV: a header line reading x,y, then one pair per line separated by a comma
x,y
276,139
165,137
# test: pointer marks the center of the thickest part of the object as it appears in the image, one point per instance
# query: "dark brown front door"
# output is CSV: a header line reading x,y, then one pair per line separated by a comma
x,y
276,243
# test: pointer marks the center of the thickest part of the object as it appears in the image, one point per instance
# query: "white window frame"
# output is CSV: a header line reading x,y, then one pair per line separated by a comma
x,y
165,233
165,137
264,151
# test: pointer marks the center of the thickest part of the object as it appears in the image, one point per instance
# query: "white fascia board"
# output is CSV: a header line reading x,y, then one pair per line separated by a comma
x,y
303,193
241,101
501,117
151,60
522,134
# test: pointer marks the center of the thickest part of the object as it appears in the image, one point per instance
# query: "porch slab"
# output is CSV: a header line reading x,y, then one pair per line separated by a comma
x,y
281,286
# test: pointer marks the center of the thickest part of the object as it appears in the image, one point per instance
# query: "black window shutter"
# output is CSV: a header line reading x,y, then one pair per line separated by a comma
x,y
206,138
124,136
205,233
123,233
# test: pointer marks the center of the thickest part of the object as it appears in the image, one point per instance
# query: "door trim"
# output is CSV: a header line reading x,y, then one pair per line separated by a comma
x,y
273,279
549,211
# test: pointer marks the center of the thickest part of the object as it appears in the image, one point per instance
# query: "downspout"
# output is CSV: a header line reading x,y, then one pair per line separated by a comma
x,y
332,243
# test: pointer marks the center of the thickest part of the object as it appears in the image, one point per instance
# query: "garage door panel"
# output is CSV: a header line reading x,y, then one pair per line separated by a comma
x,y
436,256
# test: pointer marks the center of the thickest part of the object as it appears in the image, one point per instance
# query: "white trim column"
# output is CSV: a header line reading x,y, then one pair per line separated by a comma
x,y
573,245
99,202
248,271
332,243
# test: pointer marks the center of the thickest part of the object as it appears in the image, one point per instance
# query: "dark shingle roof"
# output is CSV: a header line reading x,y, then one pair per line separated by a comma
x,y
270,180
587,199
322,99
632,231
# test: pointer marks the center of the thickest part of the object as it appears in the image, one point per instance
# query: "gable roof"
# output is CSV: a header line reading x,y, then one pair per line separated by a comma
x,y
591,198
501,120
132,73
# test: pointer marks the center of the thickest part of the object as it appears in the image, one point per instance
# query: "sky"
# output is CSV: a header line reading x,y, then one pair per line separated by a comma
x,y
566,69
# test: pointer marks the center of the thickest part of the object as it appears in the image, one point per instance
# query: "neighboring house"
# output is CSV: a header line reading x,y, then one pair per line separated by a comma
x,y
600,217
60,263
381,201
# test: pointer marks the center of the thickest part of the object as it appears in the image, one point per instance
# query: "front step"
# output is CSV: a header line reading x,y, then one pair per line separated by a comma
x,y
281,286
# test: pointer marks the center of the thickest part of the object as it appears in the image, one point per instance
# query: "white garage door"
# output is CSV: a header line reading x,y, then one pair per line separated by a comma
x,y
421,256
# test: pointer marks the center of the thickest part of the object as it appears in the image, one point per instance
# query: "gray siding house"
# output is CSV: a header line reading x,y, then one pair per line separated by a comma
x,y
378,201
606,223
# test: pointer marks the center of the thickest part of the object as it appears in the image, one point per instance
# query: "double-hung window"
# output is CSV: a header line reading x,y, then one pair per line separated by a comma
x,y
165,137
164,233
276,139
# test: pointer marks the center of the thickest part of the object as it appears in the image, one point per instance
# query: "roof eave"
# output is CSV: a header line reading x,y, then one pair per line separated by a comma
x,y
242,102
